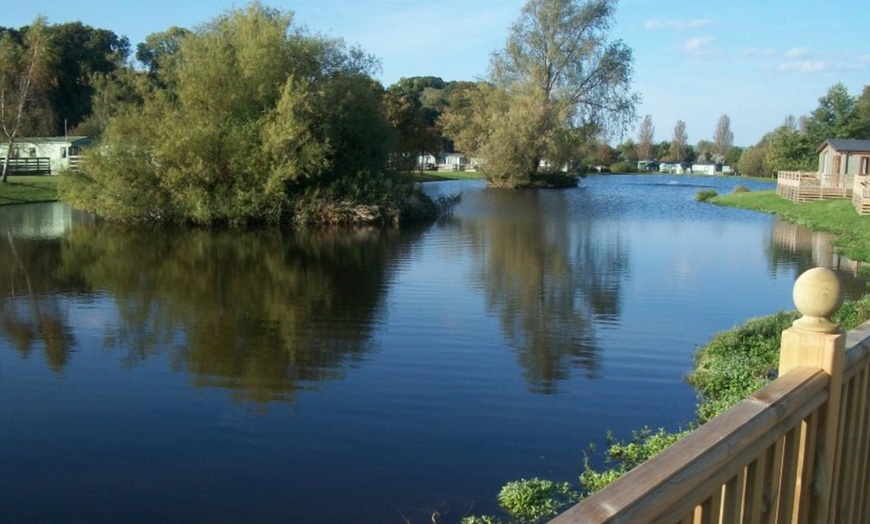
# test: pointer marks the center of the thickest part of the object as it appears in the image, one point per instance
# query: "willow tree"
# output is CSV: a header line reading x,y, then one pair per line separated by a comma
x,y
559,79
250,113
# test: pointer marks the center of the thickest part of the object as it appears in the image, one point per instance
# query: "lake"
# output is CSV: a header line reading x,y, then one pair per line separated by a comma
x,y
367,376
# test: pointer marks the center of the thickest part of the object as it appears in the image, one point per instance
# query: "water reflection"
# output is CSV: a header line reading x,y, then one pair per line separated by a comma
x,y
549,278
797,247
264,313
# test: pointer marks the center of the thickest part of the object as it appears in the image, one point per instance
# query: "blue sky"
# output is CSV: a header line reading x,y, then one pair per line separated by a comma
x,y
756,61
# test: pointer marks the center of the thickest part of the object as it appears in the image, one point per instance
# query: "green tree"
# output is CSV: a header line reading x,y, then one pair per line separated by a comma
x,y
557,78
257,116
753,160
82,52
25,77
159,49
790,150
836,116
862,108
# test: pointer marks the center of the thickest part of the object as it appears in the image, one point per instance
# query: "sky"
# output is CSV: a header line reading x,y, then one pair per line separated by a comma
x,y
757,61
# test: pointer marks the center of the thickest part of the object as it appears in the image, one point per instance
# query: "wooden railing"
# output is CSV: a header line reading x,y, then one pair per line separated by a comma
x,y
796,451
803,186
861,194
28,165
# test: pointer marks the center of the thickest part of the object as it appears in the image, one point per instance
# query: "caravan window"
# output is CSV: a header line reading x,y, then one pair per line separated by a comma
x,y
32,152
63,152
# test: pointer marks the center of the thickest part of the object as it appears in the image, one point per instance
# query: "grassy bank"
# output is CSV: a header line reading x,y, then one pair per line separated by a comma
x,y
836,216
438,176
28,189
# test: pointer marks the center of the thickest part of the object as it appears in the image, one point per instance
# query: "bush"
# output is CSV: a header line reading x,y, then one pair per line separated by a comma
x,y
706,194
741,189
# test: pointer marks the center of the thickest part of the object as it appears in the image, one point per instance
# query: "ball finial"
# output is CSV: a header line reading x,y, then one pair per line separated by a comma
x,y
817,294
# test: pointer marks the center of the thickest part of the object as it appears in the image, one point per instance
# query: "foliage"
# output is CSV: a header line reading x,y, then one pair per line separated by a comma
x,y
556,83
623,166
529,501
753,161
251,121
790,150
740,189
737,361
623,456
82,52
28,189
25,79
835,117
705,195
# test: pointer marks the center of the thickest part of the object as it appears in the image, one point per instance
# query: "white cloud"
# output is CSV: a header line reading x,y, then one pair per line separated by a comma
x,y
796,53
699,47
680,25
803,66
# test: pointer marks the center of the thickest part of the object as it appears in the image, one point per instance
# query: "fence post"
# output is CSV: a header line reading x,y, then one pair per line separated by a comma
x,y
815,341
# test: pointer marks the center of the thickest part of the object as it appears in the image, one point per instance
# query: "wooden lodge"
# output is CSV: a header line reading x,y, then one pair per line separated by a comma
x,y
797,451
843,165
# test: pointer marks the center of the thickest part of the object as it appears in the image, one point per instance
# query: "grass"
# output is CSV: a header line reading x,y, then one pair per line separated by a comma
x,y
835,216
28,190
438,176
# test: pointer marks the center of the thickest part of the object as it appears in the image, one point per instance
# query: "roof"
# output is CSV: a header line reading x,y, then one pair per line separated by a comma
x,y
72,140
845,144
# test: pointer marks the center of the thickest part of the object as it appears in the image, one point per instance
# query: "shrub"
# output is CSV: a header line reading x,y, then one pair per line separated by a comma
x,y
706,194
741,189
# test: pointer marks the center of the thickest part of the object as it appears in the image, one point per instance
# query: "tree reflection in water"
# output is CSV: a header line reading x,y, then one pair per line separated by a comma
x,y
549,281
264,313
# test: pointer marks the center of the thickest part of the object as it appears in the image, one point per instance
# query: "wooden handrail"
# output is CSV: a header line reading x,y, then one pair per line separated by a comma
x,y
795,451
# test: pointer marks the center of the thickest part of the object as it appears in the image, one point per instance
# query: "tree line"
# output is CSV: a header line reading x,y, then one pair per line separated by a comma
x,y
790,147
236,120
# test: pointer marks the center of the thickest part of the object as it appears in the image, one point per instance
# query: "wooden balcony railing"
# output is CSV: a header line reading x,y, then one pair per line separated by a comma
x,y
796,451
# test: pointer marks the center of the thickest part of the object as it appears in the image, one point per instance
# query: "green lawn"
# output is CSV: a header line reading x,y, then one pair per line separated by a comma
x,y
435,176
835,216
28,189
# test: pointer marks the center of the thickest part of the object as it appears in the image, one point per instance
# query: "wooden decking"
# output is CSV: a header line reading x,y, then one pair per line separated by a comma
x,y
803,186
861,195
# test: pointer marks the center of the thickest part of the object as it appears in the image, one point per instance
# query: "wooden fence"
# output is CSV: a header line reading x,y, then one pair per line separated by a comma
x,y
861,195
803,186
796,451
28,166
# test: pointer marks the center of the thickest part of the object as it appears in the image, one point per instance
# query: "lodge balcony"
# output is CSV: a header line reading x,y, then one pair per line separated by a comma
x,y
804,186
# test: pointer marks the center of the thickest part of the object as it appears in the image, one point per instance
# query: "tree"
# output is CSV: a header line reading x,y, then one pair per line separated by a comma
x,y
160,48
645,139
753,160
25,77
723,137
862,109
261,122
836,116
705,151
557,79
82,52
678,142
789,150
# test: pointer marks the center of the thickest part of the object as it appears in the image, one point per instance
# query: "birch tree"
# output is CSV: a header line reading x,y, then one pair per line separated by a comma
x,y
25,75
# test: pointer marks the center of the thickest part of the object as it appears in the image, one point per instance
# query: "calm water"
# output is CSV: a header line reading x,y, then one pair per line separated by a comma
x,y
367,376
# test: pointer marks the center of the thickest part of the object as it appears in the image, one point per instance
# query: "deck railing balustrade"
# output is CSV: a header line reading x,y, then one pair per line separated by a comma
x,y
796,451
